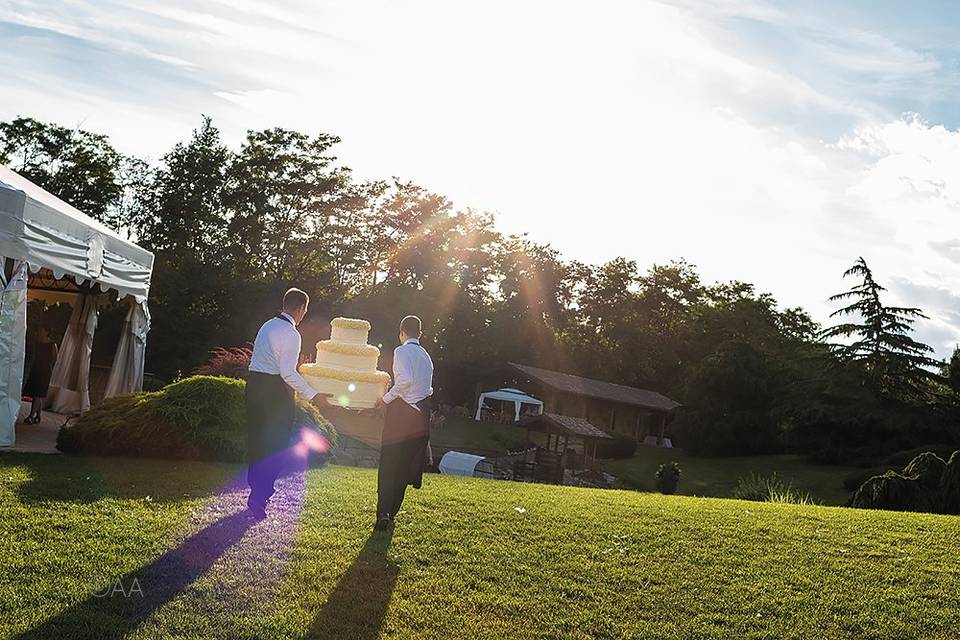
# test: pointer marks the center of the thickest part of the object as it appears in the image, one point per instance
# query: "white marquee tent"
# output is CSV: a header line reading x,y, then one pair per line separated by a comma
x,y
40,231
517,397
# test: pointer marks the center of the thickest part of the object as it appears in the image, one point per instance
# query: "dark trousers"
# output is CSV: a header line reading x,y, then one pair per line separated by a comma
x,y
270,416
403,453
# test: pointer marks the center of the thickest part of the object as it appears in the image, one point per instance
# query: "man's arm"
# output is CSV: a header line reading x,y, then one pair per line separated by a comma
x,y
289,354
401,377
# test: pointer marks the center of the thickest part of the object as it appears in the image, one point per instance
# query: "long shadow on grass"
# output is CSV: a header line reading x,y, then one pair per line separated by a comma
x,y
120,604
358,604
81,479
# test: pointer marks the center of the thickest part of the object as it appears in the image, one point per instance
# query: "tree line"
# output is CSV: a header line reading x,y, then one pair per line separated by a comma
x,y
232,228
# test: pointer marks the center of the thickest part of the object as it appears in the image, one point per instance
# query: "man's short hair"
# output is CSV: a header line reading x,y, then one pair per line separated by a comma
x,y
411,326
294,298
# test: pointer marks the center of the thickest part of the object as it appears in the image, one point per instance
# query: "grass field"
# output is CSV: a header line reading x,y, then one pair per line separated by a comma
x,y
468,559
454,433
717,477
714,477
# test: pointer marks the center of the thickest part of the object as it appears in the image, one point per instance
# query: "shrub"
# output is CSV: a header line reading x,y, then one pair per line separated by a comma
x,y
617,449
927,483
230,362
753,487
950,486
667,477
903,458
890,491
759,488
928,468
201,417
854,479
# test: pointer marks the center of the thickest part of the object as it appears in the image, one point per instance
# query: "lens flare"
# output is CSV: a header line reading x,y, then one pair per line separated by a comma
x,y
351,387
344,401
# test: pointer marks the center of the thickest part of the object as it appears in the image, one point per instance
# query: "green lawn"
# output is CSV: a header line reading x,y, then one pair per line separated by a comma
x,y
468,559
462,434
466,434
716,477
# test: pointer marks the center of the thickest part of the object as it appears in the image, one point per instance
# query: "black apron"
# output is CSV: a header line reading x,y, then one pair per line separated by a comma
x,y
403,448
271,411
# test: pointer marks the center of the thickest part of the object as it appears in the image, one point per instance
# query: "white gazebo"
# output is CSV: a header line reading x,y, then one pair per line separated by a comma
x,y
43,237
515,396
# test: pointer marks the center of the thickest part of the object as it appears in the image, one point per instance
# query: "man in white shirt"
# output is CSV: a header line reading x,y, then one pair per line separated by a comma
x,y
406,428
272,381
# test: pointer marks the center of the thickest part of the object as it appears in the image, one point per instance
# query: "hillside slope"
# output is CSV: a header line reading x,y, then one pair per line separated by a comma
x,y
468,559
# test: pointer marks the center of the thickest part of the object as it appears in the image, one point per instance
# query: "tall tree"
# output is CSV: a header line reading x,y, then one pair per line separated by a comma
x,y
893,362
281,190
77,166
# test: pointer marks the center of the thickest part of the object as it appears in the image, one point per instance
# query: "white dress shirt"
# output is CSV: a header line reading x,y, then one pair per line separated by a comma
x,y
276,351
412,374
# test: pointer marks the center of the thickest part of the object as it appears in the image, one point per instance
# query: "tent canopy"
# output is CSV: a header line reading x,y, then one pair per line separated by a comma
x,y
40,231
45,231
517,397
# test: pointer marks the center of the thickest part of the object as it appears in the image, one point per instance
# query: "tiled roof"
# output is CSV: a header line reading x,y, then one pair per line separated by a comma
x,y
579,427
577,385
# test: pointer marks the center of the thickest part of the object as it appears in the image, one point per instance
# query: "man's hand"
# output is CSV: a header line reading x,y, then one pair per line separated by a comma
x,y
320,401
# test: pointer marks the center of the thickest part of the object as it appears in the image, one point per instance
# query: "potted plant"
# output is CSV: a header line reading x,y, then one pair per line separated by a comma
x,y
668,476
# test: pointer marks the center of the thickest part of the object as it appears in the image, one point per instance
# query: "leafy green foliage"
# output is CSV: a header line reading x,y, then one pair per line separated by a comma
x,y
891,491
928,467
927,483
79,167
233,227
667,478
772,488
893,362
731,396
950,485
201,417
953,370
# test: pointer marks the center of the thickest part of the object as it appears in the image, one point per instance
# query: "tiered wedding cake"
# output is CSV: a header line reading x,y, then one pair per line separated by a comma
x,y
346,366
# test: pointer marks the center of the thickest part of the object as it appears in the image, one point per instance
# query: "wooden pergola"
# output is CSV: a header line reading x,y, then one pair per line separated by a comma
x,y
560,430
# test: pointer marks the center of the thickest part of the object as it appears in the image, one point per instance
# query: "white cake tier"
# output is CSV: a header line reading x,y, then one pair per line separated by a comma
x,y
354,390
347,356
349,330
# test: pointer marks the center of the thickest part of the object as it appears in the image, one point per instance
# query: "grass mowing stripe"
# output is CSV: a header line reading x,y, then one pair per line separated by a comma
x,y
465,561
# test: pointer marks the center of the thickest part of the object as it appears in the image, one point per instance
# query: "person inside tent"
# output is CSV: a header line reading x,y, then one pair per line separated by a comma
x,y
43,357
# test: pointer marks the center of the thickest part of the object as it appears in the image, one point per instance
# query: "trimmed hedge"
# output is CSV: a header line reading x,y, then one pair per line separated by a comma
x,y
201,418
926,484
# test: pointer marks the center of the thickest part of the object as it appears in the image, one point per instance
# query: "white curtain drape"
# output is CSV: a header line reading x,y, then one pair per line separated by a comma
x,y
126,374
13,330
70,379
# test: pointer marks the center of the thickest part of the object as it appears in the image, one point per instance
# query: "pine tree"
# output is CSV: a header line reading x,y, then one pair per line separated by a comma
x,y
952,370
893,363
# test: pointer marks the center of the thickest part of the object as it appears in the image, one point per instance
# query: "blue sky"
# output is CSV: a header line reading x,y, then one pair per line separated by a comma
x,y
771,142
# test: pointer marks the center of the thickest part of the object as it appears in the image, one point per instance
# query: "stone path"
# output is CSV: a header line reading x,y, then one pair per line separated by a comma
x,y
37,438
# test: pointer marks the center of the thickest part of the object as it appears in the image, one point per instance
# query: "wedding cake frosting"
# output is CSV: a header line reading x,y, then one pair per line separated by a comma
x,y
346,366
